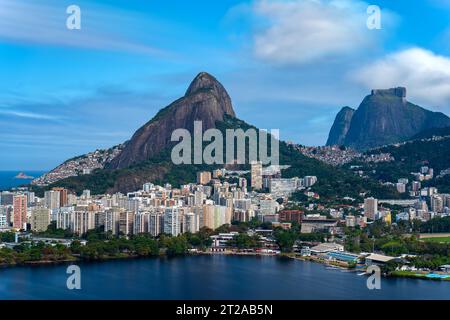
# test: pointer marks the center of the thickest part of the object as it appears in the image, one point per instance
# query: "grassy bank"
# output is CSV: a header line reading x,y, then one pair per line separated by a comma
x,y
437,239
415,275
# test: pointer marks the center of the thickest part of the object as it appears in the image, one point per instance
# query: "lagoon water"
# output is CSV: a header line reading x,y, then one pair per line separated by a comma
x,y
208,277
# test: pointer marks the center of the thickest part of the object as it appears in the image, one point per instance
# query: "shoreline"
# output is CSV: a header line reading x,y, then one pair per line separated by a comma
x,y
292,256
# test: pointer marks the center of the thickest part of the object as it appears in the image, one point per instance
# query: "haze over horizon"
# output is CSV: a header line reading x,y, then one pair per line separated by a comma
x,y
69,92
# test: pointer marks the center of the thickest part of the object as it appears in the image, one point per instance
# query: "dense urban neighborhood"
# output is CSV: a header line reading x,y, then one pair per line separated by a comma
x,y
255,212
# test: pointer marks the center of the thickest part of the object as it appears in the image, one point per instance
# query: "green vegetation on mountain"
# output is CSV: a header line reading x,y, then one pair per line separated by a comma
x,y
410,156
433,132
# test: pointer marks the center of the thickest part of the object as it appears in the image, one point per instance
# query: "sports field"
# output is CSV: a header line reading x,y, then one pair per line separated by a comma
x,y
437,239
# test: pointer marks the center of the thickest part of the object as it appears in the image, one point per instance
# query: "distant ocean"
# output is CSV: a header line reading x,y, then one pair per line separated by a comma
x,y
8,180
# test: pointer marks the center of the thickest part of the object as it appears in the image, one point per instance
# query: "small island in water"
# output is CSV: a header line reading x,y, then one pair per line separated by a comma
x,y
22,175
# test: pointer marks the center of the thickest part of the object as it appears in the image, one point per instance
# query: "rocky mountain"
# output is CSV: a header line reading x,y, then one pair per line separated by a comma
x,y
385,117
147,156
340,126
205,100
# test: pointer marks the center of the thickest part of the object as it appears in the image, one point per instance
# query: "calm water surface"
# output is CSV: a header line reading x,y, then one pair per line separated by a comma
x,y
208,277
8,180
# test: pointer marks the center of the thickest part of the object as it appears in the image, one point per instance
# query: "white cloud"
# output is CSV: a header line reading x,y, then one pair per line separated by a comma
x,y
300,31
45,23
29,115
425,74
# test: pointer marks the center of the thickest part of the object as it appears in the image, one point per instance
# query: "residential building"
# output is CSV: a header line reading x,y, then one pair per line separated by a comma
x,y
401,187
256,175
155,223
437,203
140,223
371,208
112,217
20,211
172,221
126,222
284,187
203,177
190,222
309,181
350,221
83,221
52,199
3,217
291,216
40,219
63,196
268,206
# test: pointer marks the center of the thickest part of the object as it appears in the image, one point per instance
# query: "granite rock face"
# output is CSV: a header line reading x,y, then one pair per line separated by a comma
x,y
205,100
340,126
385,117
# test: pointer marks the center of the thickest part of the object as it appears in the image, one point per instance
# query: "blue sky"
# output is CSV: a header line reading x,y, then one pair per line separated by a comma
x,y
289,65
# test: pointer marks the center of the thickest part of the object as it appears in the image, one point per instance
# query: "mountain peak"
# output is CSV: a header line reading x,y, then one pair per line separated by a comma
x,y
398,92
205,82
340,126
346,109
206,100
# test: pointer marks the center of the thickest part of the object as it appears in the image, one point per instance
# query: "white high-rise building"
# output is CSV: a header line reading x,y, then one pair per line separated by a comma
x,y
256,175
350,221
267,206
283,186
3,217
140,223
309,181
412,214
30,197
191,222
126,222
198,198
147,187
132,205
65,218
83,221
112,221
221,215
154,223
86,194
51,199
437,203
172,221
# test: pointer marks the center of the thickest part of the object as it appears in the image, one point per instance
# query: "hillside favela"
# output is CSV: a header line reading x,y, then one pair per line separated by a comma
x,y
137,173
